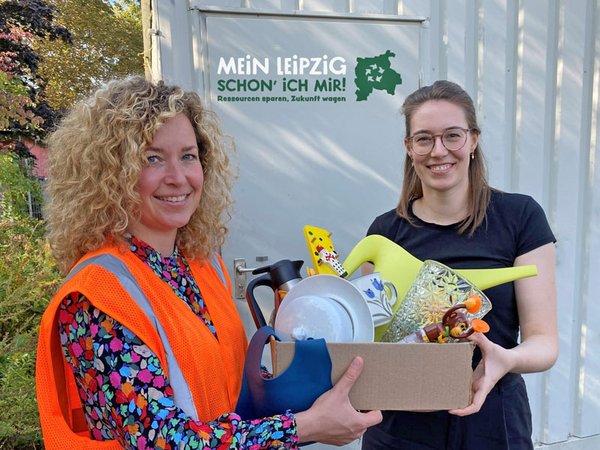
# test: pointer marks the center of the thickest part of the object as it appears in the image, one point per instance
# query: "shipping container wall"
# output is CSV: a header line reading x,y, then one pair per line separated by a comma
x,y
533,69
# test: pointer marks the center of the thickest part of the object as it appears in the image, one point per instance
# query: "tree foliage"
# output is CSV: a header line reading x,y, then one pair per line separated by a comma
x,y
16,106
53,52
107,43
23,107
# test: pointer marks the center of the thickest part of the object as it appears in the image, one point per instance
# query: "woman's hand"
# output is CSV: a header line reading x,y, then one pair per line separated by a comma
x,y
538,350
496,362
332,419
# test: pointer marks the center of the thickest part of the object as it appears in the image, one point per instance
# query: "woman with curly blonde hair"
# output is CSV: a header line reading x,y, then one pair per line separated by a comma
x,y
142,346
96,160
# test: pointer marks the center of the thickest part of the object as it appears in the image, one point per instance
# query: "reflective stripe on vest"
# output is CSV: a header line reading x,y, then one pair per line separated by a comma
x,y
181,390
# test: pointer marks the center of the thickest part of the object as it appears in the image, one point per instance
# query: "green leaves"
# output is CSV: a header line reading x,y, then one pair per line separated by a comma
x,y
107,43
23,110
28,279
17,188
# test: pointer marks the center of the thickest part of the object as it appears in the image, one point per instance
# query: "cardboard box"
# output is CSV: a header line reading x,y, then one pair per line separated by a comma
x,y
408,377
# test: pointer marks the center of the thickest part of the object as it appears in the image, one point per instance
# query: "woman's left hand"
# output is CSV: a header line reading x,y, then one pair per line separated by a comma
x,y
496,362
538,350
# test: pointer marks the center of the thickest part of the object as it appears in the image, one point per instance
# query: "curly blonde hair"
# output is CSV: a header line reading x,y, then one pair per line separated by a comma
x,y
95,162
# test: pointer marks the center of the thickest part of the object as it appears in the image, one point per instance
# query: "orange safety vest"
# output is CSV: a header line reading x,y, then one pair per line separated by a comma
x,y
210,370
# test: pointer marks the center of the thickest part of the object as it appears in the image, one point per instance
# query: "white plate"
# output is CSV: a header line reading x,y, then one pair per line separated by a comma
x,y
325,306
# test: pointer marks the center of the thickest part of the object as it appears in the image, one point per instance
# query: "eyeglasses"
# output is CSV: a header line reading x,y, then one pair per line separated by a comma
x,y
453,139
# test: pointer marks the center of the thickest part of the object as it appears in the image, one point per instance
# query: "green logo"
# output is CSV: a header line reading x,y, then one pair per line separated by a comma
x,y
375,73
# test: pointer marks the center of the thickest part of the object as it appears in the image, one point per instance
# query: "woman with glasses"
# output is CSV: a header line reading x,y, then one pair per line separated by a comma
x,y
447,212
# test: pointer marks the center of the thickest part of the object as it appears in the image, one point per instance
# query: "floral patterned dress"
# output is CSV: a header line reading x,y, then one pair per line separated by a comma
x,y
122,386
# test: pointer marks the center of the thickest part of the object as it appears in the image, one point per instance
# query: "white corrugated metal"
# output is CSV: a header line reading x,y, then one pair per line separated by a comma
x,y
533,68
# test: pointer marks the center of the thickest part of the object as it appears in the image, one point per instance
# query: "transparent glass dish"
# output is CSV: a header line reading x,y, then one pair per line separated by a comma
x,y
435,289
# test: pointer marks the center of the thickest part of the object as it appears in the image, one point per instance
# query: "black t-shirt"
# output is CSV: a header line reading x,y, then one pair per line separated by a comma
x,y
514,225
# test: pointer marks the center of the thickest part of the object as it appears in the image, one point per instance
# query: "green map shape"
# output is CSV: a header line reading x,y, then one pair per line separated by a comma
x,y
375,73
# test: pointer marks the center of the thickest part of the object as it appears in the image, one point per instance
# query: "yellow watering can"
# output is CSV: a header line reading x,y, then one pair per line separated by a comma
x,y
399,267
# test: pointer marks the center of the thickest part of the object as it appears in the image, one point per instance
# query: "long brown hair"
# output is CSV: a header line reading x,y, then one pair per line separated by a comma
x,y
479,189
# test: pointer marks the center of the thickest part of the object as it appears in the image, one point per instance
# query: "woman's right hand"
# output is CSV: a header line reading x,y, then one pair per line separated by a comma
x,y
332,419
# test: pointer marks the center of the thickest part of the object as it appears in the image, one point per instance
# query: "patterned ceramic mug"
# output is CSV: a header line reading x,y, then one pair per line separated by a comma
x,y
380,296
